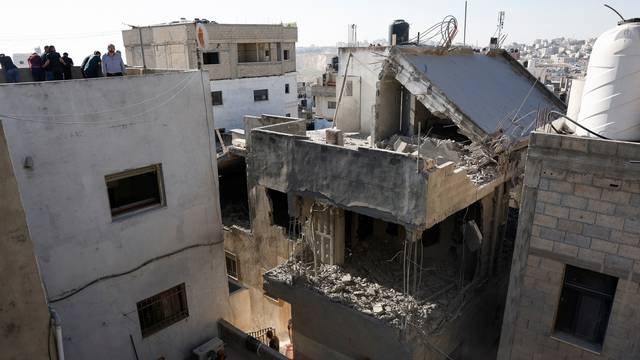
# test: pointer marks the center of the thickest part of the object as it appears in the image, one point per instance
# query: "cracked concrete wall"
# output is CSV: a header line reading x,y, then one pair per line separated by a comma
x,y
23,308
378,183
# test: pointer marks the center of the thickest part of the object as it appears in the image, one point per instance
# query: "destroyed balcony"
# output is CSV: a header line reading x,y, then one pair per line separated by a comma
x,y
404,188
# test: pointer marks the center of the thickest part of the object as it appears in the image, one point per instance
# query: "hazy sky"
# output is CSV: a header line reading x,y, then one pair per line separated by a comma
x,y
80,27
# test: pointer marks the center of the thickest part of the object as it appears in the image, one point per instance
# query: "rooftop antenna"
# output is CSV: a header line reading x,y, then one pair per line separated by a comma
x,y
615,11
464,30
498,32
352,39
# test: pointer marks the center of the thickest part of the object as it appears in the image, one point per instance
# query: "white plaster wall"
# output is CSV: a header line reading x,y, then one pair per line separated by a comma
x,y
365,65
237,99
120,123
321,108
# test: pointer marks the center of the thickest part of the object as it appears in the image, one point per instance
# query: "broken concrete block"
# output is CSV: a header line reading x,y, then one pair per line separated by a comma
x,y
334,137
377,308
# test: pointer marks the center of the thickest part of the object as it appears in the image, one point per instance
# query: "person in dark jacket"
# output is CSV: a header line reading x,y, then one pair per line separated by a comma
x,y
92,66
10,69
68,64
53,64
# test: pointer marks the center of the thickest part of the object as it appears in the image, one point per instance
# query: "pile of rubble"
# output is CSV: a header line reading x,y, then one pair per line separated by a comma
x,y
386,304
478,160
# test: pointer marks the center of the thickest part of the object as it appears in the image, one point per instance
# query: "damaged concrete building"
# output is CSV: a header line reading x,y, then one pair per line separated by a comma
x,y
392,223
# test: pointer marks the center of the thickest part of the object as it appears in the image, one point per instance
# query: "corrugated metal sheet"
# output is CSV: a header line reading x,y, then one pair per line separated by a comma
x,y
488,89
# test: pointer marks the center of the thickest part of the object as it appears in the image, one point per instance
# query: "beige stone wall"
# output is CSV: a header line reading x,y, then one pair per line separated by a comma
x,y
582,208
23,309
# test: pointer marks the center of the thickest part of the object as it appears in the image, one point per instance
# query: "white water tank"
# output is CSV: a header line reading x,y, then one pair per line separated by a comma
x,y
611,97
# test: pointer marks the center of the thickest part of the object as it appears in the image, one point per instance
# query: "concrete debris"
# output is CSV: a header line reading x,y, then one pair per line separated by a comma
x,y
386,304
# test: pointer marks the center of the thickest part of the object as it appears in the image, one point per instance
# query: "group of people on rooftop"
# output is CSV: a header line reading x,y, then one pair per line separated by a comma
x,y
50,65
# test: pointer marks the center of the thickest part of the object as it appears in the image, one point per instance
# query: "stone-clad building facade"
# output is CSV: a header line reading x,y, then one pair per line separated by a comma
x,y
573,291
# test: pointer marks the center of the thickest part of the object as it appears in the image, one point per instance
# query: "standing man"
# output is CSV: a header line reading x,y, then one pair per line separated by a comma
x,y
68,64
10,69
274,342
92,65
35,64
112,64
54,65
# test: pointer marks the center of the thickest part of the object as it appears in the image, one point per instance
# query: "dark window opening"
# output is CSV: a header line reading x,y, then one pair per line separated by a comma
x,y
234,201
287,114
585,305
331,104
431,236
211,58
162,310
279,208
216,97
286,88
438,128
133,190
286,54
233,286
261,95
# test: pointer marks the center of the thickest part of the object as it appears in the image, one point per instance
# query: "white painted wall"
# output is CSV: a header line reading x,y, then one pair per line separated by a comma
x,y
322,109
121,123
237,99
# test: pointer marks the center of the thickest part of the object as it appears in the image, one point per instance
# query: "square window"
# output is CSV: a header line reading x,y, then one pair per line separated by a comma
x,y
584,307
331,104
286,88
232,265
135,190
261,95
162,310
279,208
210,58
216,97
287,114
286,54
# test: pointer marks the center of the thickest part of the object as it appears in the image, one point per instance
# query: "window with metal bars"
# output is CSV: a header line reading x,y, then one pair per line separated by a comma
x,y
232,265
162,310
261,95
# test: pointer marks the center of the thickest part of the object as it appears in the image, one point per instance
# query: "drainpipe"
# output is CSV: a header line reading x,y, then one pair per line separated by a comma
x,y
57,323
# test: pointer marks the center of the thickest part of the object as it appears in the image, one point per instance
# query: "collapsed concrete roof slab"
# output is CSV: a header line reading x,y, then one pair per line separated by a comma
x,y
482,94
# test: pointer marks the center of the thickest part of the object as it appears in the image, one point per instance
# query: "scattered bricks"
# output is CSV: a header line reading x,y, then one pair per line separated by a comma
x,y
604,246
574,202
596,231
602,207
545,220
579,178
541,244
570,226
544,184
591,255
603,147
550,197
613,222
587,191
625,238
557,211
616,196
561,186
551,173
551,234
629,251
582,216
632,225
618,262
574,143
565,249
577,240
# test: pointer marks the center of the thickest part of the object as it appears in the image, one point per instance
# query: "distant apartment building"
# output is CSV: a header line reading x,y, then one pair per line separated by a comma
x,y
252,68
324,90
118,182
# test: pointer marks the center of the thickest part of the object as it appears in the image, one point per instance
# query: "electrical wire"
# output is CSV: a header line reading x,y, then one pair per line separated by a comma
x,y
575,123
70,293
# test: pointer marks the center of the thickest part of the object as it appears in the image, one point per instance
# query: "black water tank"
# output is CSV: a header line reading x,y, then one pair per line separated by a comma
x,y
401,29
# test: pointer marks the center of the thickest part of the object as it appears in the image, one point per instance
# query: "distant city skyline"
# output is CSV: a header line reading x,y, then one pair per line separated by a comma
x,y
325,23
